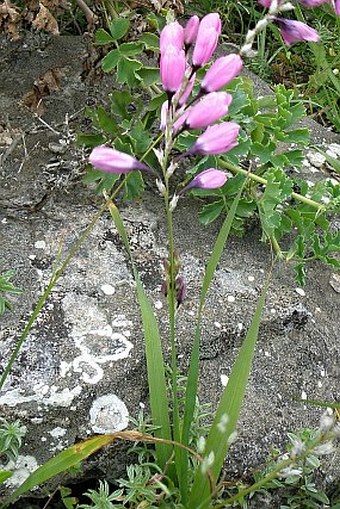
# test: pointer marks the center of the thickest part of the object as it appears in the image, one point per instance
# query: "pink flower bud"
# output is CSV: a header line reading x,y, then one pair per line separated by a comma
x,y
217,139
312,3
108,159
265,3
337,7
190,31
179,123
208,32
222,72
172,35
208,110
296,31
208,179
172,68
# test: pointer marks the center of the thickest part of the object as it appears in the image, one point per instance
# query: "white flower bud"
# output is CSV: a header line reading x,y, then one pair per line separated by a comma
x,y
261,24
171,169
250,36
325,448
289,472
173,202
326,422
201,445
161,187
159,154
286,7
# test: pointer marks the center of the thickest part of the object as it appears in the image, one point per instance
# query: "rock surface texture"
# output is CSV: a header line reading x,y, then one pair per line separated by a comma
x,y
82,370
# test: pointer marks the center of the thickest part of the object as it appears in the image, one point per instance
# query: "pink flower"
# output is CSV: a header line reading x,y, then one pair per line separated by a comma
x,y
296,31
179,123
172,35
108,159
265,3
217,139
208,32
222,72
208,179
312,3
190,31
172,68
208,110
337,7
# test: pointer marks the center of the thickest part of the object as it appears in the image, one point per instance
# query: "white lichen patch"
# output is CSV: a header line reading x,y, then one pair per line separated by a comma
x,y
108,414
108,289
22,468
94,339
54,397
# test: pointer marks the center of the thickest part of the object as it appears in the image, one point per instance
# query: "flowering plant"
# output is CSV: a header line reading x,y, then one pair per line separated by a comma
x,y
194,468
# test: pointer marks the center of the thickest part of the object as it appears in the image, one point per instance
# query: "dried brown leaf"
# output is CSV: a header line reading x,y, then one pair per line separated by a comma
x,y
42,87
45,21
9,19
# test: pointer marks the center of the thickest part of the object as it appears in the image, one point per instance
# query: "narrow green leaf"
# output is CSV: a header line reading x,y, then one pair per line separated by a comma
x,y
4,475
192,383
119,27
102,37
62,462
154,355
228,411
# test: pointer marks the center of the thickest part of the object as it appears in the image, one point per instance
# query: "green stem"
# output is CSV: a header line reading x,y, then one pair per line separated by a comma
x,y
172,297
55,276
299,197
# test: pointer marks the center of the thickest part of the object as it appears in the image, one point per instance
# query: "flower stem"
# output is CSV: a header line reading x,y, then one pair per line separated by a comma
x,y
299,197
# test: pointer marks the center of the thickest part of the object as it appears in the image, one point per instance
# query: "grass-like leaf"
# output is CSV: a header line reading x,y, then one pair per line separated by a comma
x,y
192,383
154,356
227,413
62,462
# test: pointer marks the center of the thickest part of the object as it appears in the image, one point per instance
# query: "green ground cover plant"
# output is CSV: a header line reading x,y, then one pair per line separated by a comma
x,y
179,116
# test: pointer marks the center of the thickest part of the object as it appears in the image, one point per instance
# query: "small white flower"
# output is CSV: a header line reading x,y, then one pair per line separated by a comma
x,y
289,472
325,448
201,445
170,171
159,154
161,187
173,202
326,422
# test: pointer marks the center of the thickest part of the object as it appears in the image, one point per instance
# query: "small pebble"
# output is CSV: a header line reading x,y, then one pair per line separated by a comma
x,y
217,325
303,395
4,220
322,372
273,311
335,282
300,291
316,159
108,289
231,298
251,278
40,244
158,304
240,326
32,257
224,380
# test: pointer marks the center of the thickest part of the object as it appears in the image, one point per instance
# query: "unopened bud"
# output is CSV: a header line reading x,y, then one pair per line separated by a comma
x,y
286,7
161,187
173,202
171,169
159,154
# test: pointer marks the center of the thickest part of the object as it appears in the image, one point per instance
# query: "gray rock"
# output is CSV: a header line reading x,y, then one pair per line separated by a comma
x,y
81,370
